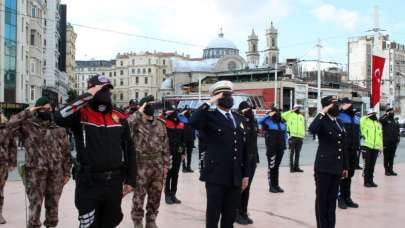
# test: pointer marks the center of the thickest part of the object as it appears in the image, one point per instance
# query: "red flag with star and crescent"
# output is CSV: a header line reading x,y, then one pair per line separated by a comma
x,y
377,71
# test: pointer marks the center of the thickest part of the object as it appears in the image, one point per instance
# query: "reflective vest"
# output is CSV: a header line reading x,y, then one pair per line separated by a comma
x,y
295,124
371,131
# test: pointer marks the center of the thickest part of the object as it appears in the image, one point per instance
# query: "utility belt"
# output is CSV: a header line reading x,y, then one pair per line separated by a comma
x,y
84,172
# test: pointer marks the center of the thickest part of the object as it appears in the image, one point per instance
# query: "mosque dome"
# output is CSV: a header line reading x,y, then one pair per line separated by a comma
x,y
220,47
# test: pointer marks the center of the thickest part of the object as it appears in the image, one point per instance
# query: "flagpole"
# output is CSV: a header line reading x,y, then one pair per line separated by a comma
x,y
374,52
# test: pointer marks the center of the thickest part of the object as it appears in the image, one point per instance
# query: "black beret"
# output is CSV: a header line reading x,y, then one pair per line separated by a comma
x,y
148,98
328,100
244,105
346,100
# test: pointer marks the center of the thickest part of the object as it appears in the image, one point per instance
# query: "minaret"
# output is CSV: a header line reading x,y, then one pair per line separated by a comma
x,y
253,54
271,53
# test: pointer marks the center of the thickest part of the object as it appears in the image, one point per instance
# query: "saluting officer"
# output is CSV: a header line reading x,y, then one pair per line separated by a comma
x,y
276,140
351,122
330,162
226,170
391,138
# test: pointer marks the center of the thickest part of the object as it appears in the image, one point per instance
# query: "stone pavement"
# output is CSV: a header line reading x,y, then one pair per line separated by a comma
x,y
379,207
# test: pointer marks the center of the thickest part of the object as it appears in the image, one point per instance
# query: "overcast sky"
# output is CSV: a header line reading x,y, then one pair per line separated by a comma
x,y
300,23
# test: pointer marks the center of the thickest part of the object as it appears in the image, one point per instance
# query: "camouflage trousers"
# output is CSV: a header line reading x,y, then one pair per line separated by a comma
x,y
149,182
3,179
43,185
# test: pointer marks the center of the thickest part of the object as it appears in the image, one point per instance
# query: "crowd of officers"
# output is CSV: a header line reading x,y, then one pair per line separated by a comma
x,y
118,152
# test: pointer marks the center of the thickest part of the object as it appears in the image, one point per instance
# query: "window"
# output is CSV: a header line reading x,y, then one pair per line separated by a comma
x,y
121,72
115,97
32,93
231,65
149,70
32,68
273,42
164,71
115,73
133,71
33,11
164,61
121,82
137,80
136,94
146,81
138,71
121,96
149,61
121,63
273,60
146,93
32,39
143,71
102,73
254,48
110,74
133,62
114,82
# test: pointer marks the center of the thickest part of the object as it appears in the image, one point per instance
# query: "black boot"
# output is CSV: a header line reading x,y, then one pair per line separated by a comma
x,y
279,189
246,217
298,170
240,219
273,189
292,170
350,203
393,173
169,199
342,203
175,200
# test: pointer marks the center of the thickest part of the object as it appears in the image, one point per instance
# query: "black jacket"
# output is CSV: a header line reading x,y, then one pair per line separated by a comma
x,y
331,157
226,158
251,139
390,129
103,141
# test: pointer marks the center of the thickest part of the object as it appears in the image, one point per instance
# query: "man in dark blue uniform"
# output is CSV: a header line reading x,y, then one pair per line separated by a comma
x,y
351,123
226,170
330,163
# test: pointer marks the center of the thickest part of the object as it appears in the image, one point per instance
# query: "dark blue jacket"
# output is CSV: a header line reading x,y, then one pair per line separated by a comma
x,y
351,123
226,158
275,133
331,155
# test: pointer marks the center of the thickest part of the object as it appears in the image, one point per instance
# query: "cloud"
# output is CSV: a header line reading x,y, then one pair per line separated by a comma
x,y
326,13
190,21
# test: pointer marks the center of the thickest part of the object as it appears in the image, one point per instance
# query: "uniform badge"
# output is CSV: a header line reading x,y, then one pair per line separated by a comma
x,y
115,118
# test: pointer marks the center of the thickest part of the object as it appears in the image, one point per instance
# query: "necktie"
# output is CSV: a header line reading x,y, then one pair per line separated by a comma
x,y
230,121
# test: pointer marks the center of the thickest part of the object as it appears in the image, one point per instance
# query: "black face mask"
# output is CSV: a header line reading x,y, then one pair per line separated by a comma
x,y
45,116
350,111
226,102
373,117
391,115
149,110
334,111
277,117
249,114
102,101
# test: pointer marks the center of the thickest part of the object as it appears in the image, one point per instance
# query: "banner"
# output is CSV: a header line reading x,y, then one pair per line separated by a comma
x,y
376,76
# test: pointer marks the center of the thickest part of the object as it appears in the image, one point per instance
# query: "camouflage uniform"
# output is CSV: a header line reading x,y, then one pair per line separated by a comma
x,y
8,158
152,148
47,162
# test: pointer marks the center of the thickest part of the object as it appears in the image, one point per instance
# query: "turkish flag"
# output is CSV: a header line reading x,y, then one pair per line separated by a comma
x,y
377,71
